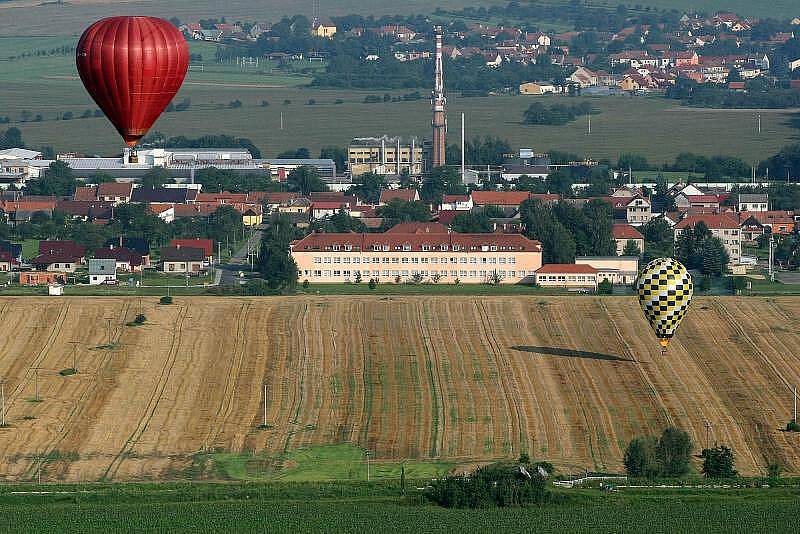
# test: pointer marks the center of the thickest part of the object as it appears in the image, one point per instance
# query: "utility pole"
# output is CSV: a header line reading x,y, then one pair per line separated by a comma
x,y
2,402
109,330
589,132
36,384
708,434
265,405
367,453
281,120
74,355
771,258
463,150
794,412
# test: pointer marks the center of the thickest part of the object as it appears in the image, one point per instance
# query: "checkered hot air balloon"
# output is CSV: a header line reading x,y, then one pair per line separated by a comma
x,y
665,290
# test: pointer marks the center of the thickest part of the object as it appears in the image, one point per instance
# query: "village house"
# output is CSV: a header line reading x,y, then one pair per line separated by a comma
x,y
127,260
7,261
537,88
427,256
583,77
753,202
323,28
685,201
182,260
40,278
456,203
206,245
102,271
636,210
721,226
405,195
625,233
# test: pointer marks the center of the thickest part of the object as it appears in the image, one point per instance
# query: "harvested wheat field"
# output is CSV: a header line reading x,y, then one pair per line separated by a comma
x,y
453,379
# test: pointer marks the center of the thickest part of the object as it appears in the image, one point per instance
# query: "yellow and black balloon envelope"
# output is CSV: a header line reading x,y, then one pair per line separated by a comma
x,y
665,291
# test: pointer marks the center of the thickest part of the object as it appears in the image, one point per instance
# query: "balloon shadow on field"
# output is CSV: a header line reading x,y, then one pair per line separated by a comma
x,y
570,353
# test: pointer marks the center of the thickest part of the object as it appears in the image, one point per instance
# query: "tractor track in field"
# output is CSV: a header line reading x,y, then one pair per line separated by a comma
x,y
439,424
154,398
225,407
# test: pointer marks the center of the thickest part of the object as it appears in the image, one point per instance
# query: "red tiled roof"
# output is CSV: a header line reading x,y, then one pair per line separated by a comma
x,y
626,231
221,198
508,198
115,189
418,228
406,195
55,257
120,254
206,245
6,257
702,198
195,210
328,205
278,197
87,193
715,222
568,268
397,241
68,247
449,199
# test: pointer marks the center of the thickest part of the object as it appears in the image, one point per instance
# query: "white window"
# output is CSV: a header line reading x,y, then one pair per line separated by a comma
x,y
317,260
473,260
337,259
405,260
327,259
406,247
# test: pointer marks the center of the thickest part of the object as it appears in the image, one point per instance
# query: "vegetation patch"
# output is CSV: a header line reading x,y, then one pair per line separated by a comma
x,y
68,371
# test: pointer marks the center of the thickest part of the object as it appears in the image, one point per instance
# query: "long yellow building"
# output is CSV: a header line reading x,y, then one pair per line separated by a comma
x,y
386,156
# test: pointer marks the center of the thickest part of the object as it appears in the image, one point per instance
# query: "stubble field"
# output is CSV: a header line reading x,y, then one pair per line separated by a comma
x,y
452,380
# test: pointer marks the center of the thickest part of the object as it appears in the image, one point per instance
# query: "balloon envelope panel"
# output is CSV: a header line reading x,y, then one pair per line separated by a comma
x,y
665,290
132,67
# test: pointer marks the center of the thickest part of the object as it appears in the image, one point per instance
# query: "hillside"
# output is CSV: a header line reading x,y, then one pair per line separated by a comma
x,y
454,380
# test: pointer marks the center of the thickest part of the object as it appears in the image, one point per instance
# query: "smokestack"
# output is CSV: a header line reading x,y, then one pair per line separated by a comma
x,y
439,103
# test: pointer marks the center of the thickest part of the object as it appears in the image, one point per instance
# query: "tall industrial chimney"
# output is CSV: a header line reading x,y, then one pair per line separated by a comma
x,y
439,103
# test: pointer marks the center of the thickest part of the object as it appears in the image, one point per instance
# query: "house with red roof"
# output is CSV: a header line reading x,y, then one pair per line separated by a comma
x,y
7,261
722,226
624,233
127,260
406,195
504,199
684,201
206,245
456,203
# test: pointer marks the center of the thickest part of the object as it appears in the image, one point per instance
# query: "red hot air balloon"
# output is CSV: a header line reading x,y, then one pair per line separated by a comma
x,y
132,67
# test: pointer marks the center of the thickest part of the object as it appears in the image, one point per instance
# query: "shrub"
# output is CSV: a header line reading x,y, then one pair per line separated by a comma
x,y
792,426
306,284
605,287
773,470
499,484
358,278
264,104
140,319
373,283
165,300
311,102
397,279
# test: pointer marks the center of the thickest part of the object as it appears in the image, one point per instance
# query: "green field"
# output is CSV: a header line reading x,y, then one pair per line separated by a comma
x,y
360,507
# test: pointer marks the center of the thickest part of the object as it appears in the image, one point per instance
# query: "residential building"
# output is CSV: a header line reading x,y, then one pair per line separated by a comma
x,y
127,260
583,77
206,245
684,201
385,156
419,254
537,88
456,203
64,247
722,226
619,270
180,259
102,271
625,233
56,261
7,261
753,202
504,199
406,195
323,28
636,210
567,275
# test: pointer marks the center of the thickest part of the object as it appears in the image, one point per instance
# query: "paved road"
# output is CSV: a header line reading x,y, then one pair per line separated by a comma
x,y
228,273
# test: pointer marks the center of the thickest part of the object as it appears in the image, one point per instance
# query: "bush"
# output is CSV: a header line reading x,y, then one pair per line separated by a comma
x,y
311,102
358,278
165,300
773,471
373,283
306,284
718,462
499,484
605,287
792,426
140,319
264,104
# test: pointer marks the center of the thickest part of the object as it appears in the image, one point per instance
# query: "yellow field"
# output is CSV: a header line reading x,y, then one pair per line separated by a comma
x,y
569,380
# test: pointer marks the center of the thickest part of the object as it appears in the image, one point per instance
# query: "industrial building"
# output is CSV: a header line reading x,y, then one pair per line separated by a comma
x,y
386,156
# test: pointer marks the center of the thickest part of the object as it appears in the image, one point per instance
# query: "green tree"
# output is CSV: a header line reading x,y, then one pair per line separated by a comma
x,y
368,187
471,223
714,257
673,451
718,462
339,222
306,180
58,181
157,177
442,181
337,154
640,457
541,224
398,211
657,231
275,263
631,249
